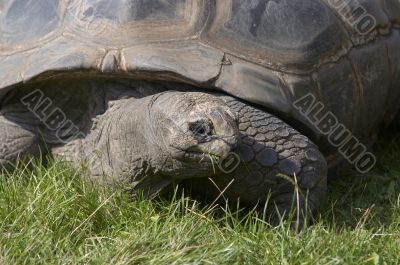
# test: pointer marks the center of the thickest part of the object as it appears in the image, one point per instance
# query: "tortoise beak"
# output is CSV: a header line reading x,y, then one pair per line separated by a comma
x,y
219,146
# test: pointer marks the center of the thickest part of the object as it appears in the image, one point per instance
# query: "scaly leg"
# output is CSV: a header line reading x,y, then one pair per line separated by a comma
x,y
276,161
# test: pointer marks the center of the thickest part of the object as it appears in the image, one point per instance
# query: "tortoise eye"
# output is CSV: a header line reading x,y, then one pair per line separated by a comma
x,y
201,129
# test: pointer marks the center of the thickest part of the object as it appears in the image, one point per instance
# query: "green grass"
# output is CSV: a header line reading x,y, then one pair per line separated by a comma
x,y
51,216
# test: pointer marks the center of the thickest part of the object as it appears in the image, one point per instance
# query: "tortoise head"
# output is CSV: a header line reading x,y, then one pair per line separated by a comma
x,y
188,129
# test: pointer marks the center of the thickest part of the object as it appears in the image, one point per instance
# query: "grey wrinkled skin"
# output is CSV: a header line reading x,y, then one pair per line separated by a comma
x,y
113,67
156,135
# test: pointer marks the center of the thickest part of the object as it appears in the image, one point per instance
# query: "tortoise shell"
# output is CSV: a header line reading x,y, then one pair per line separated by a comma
x,y
267,52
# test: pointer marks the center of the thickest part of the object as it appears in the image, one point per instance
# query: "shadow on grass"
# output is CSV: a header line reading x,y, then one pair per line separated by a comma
x,y
368,198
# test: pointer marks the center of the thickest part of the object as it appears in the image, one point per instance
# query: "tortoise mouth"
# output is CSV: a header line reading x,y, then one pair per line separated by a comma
x,y
197,156
198,160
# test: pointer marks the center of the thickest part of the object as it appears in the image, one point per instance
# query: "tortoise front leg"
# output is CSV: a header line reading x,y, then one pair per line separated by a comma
x,y
17,142
278,165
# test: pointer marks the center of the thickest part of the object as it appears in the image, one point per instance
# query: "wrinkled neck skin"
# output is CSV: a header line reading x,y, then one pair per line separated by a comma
x,y
168,135
121,147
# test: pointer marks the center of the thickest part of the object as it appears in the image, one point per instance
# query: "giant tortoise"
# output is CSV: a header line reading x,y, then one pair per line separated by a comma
x,y
250,100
